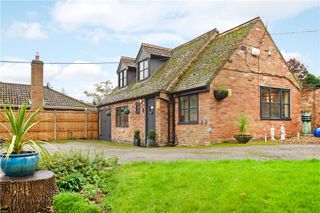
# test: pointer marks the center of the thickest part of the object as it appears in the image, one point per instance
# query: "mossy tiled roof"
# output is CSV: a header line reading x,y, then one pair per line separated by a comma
x,y
156,50
129,61
166,73
191,65
211,59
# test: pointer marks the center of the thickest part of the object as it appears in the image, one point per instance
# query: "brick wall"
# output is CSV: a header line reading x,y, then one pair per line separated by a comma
x,y
311,103
136,121
243,74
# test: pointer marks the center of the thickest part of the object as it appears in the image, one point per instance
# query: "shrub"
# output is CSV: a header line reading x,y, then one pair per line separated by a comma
x,y
80,172
71,182
242,123
151,134
73,203
89,191
136,134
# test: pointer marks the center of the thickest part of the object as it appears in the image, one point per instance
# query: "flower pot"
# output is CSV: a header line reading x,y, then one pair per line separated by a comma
x,y
18,165
243,138
316,132
136,142
151,142
219,95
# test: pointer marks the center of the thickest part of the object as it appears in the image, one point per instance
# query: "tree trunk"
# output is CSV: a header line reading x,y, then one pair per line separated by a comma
x,y
27,194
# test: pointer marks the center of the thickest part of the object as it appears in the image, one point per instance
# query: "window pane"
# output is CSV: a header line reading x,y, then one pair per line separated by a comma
x,y
124,77
275,96
285,111
146,64
183,116
265,95
193,114
141,75
275,110
193,101
184,102
146,73
285,97
141,65
265,110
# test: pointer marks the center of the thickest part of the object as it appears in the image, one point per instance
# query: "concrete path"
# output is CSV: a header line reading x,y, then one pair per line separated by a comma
x,y
260,152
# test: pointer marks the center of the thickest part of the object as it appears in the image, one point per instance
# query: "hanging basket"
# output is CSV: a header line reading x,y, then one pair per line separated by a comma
x,y
220,94
127,111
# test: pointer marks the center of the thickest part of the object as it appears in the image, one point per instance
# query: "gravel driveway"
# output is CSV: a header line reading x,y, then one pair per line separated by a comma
x,y
260,152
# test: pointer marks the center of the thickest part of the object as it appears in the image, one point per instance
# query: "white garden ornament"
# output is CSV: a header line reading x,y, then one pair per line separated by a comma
x,y
272,133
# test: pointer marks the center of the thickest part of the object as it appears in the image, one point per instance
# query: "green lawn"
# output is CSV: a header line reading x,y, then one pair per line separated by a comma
x,y
217,186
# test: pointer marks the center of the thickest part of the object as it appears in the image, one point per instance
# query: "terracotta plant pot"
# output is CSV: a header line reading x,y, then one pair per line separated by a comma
x,y
243,138
220,94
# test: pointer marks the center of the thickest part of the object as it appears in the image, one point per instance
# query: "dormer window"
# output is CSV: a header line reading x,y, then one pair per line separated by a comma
x,y
123,78
143,69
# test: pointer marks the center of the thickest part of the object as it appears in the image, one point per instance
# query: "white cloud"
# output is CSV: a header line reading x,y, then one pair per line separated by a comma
x,y
296,55
184,18
26,30
74,78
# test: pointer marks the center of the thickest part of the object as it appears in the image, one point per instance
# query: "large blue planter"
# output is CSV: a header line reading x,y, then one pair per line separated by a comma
x,y
316,132
19,165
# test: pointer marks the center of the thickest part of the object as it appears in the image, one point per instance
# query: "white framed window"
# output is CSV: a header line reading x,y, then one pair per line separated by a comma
x,y
123,78
143,69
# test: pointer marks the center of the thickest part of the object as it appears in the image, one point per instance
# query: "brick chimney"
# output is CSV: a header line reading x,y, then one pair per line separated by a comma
x,y
37,83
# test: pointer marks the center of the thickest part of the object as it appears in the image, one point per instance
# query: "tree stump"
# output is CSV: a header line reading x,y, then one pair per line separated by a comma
x,y
27,194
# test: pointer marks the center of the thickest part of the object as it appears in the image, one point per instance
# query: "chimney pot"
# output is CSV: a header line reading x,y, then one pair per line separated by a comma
x,y
37,56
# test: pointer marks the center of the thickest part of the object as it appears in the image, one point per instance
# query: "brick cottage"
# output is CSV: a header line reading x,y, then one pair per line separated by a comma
x,y
171,90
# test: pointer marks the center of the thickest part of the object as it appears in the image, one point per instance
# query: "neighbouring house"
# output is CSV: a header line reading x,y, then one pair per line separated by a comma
x,y
62,117
311,104
171,91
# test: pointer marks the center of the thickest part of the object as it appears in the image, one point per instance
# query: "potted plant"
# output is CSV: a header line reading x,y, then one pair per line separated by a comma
x,y
151,138
18,161
242,125
136,138
220,93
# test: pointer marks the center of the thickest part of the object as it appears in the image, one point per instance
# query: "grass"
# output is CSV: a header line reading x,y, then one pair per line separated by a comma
x,y
217,186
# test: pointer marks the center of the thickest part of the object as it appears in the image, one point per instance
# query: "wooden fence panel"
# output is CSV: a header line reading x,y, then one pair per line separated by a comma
x,y
60,125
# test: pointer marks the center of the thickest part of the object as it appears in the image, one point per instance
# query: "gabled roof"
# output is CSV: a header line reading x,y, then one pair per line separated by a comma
x,y
156,50
211,59
17,94
191,66
129,61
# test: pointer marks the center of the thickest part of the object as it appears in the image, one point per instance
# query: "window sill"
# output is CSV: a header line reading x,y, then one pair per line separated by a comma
x,y
188,123
277,119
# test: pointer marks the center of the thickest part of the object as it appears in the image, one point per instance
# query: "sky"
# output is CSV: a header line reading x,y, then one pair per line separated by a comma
x,y
104,30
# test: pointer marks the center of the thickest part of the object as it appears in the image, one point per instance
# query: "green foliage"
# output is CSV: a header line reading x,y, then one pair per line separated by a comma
x,y
19,125
71,182
222,88
242,123
312,80
89,191
217,186
102,89
136,134
151,134
226,141
73,203
80,172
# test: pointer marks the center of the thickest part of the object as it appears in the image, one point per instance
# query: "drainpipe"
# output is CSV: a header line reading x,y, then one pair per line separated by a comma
x,y
172,99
